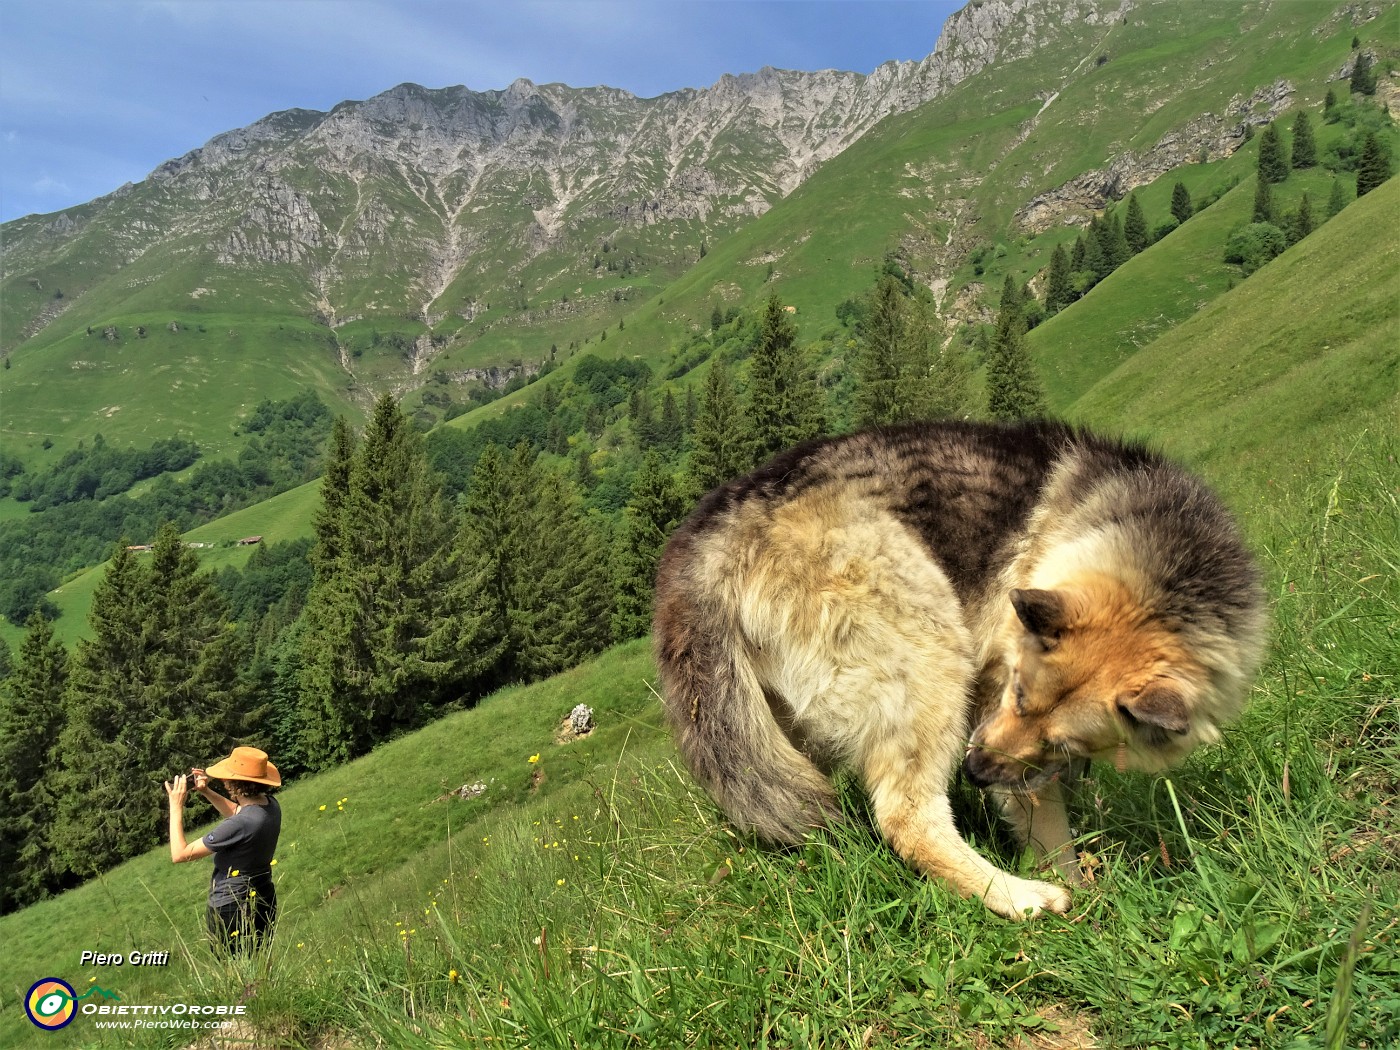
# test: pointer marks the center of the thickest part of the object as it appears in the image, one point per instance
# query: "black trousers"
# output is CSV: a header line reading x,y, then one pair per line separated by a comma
x,y
243,926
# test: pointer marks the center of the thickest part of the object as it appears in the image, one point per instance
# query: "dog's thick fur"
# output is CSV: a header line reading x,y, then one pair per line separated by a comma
x,y
866,600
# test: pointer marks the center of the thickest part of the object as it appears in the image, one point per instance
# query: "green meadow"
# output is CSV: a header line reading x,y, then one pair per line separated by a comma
x,y
584,893
590,895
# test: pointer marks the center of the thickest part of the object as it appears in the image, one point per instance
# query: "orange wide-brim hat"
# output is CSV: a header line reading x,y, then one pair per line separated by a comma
x,y
246,763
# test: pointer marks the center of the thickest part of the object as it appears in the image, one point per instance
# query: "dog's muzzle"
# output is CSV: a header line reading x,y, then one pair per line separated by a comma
x,y
986,768
981,768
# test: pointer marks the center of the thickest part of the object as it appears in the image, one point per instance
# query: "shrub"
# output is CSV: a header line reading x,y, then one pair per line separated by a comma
x,y
1253,245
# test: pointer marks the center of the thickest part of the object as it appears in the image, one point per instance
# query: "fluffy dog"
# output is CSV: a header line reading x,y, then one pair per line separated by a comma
x,y
868,600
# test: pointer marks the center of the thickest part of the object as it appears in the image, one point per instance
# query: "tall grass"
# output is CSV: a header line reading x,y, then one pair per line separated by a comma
x,y
1249,898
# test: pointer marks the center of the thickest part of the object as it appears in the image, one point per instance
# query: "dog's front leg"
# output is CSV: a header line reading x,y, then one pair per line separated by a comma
x,y
914,813
1041,822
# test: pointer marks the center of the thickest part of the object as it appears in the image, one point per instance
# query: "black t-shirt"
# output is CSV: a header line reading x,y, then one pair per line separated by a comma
x,y
244,845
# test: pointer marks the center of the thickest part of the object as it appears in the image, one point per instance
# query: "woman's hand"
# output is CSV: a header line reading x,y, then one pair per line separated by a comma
x,y
177,791
199,780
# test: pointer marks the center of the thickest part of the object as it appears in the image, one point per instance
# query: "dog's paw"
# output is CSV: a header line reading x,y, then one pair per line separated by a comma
x,y
1015,898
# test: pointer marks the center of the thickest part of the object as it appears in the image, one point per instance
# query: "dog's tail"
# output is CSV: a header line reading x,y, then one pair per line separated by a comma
x,y
725,728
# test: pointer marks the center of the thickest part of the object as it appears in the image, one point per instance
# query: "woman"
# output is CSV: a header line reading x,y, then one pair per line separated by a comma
x,y
242,899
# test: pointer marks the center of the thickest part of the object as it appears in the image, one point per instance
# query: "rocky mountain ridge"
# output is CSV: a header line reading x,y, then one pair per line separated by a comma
x,y
453,188
444,237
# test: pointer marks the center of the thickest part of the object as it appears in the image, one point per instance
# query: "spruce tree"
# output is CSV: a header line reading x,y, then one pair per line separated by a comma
x,y
153,692
1096,264
195,651
1059,292
1264,210
1114,243
923,332
489,530
950,377
108,806
275,678
1135,226
556,441
652,512
1329,106
335,486
1013,387
585,627
584,477
1079,257
1363,80
1374,166
721,437
1273,156
31,719
1337,199
878,356
1181,203
893,359
1304,145
785,404
1301,222
397,627
544,572
558,586
691,410
670,430
642,414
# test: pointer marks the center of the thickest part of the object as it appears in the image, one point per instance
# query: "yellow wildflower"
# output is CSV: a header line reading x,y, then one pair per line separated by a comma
x,y
323,809
452,976
534,758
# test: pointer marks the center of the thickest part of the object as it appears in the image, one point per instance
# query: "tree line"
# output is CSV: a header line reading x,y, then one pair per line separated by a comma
x,y
60,536
422,589
445,566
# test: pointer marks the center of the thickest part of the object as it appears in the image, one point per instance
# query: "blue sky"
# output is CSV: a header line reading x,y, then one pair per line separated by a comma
x,y
96,93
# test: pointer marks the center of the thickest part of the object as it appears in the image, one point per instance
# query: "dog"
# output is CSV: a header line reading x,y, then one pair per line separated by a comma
x,y
867,600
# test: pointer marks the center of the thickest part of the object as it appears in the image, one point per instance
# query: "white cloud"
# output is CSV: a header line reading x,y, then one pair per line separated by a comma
x,y
48,186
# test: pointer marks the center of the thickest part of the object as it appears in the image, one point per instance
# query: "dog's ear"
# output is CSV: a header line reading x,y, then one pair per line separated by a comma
x,y
1159,706
1043,613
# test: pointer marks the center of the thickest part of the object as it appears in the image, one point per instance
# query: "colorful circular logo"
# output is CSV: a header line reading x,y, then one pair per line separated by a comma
x,y
50,1003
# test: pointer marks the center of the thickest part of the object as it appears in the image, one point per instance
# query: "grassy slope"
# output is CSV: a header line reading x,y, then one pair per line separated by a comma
x,y
283,517
329,883
901,189
1312,349
1224,903
135,390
